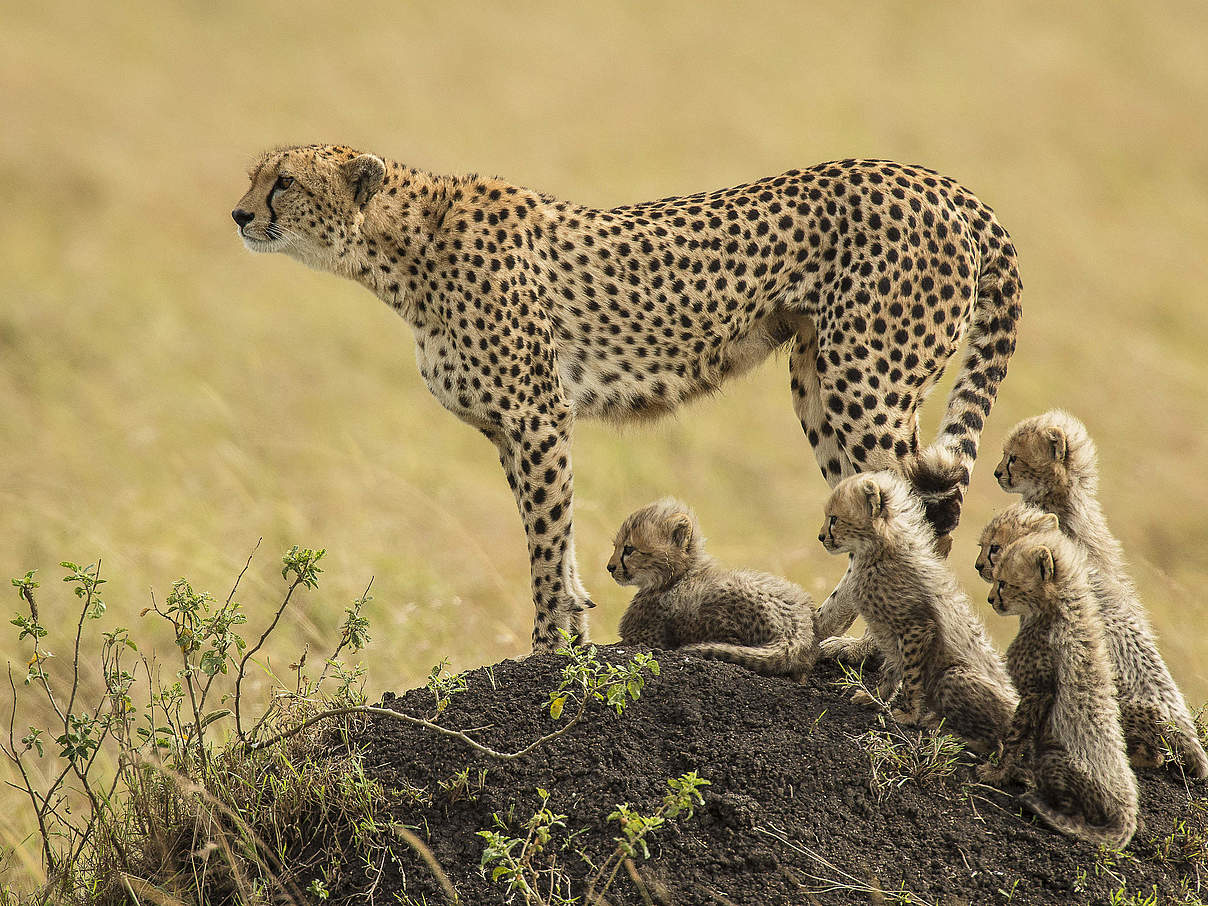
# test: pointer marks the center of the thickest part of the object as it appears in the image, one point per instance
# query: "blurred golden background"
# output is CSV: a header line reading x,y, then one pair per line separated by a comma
x,y
167,398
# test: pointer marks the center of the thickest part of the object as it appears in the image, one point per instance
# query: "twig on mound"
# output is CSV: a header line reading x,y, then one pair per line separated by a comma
x,y
844,881
418,721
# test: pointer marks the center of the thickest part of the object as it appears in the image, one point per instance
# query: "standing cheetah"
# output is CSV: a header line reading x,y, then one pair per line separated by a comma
x,y
1065,734
923,623
686,600
529,312
1051,461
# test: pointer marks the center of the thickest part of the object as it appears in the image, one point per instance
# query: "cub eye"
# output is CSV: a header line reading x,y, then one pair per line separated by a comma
x,y
994,549
627,550
284,182
831,521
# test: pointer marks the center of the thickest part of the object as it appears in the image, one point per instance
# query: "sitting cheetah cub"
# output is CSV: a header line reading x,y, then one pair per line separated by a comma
x,y
1066,728
686,600
928,634
1014,522
1051,461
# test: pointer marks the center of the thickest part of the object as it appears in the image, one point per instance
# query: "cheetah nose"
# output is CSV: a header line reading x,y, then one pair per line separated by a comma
x,y
242,217
612,567
998,474
822,537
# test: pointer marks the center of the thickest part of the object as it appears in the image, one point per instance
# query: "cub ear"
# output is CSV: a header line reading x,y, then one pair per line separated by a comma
x,y
1049,523
681,530
872,496
1045,563
364,174
1058,447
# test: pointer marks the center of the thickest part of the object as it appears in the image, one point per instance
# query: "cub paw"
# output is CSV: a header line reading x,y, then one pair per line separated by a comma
x,y
860,697
906,718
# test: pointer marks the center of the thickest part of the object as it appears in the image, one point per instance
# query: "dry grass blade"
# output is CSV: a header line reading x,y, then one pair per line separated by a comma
x,y
430,860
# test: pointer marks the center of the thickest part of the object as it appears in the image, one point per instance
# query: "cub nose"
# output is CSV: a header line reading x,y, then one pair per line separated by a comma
x,y
998,474
242,217
612,567
822,536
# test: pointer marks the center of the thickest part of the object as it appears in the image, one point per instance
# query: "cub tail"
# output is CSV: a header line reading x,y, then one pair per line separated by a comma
x,y
1116,833
794,657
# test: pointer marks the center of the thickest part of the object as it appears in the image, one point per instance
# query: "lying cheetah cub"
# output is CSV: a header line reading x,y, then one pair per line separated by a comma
x,y
1051,461
687,600
921,620
1066,728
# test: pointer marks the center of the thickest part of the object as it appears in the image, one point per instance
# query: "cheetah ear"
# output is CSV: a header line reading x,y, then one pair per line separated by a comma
x,y
681,530
1049,523
1044,562
365,174
1057,444
872,497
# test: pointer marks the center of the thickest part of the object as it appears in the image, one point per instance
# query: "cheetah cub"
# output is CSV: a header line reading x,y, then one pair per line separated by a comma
x,y
1066,730
1143,728
1014,522
687,600
1051,461
932,642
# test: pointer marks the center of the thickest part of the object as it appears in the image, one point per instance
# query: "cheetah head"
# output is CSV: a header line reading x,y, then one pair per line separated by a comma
x,y
1014,522
1032,573
656,545
869,510
308,202
1047,455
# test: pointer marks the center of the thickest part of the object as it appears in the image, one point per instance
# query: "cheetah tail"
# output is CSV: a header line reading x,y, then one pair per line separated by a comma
x,y
939,478
791,657
991,341
1114,834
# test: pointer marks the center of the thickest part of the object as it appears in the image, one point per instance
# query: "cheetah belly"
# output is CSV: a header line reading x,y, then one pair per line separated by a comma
x,y
652,385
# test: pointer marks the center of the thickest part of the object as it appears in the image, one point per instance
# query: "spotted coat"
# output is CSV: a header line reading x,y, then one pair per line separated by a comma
x,y
529,312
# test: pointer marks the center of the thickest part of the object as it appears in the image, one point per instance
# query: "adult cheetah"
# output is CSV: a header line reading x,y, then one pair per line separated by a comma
x,y
529,312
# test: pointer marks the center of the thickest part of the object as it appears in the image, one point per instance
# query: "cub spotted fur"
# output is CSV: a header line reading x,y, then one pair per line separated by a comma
x,y
686,600
921,620
1066,731
1051,461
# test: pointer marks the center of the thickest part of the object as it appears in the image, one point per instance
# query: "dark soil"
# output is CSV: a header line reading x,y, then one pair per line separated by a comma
x,y
792,815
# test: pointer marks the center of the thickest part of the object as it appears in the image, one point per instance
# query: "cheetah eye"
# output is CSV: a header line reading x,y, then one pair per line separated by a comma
x,y
627,550
994,549
284,182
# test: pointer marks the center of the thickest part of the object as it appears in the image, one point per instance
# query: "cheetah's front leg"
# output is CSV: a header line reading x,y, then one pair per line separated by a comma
x,y
535,452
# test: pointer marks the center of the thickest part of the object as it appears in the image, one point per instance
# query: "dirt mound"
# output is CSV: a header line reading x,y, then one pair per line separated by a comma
x,y
794,813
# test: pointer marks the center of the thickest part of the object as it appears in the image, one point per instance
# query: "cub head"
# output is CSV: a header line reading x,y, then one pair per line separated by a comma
x,y
871,509
308,202
1034,573
1014,522
1045,456
656,545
